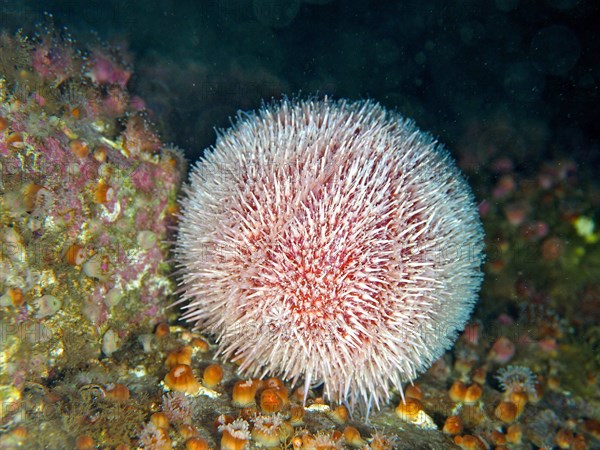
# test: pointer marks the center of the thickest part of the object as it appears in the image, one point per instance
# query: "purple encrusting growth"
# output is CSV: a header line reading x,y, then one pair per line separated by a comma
x,y
88,194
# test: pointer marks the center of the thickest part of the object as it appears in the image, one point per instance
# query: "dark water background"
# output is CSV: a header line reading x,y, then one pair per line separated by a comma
x,y
458,68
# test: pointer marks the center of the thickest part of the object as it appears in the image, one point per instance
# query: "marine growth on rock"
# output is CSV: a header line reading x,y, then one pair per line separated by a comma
x,y
87,193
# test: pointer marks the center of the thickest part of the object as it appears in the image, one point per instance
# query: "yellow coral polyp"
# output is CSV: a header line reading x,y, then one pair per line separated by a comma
x,y
267,430
244,393
235,435
181,379
181,355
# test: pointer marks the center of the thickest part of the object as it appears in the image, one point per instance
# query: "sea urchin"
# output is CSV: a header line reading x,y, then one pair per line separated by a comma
x,y
329,241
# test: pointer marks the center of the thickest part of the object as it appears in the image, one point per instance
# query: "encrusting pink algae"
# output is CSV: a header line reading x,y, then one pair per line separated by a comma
x,y
88,196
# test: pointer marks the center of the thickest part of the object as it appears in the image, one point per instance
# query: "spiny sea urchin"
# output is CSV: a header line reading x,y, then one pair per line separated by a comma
x,y
330,241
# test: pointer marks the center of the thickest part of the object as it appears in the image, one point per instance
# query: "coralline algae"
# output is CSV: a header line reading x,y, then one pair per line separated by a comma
x,y
87,196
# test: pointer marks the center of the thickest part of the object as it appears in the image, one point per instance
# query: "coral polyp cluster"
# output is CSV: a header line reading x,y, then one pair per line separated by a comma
x,y
87,195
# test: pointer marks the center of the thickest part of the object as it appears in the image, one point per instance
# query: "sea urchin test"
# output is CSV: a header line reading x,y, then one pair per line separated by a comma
x,y
329,242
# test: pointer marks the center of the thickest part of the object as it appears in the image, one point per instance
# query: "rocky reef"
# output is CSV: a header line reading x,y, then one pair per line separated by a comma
x,y
88,197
